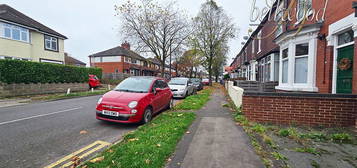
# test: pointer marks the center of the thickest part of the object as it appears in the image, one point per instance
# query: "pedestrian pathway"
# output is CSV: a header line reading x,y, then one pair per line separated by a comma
x,y
214,141
13,102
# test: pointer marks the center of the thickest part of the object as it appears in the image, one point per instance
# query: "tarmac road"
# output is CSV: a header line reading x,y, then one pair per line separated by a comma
x,y
39,134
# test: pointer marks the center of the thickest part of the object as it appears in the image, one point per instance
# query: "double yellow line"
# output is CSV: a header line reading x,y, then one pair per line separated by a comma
x,y
84,152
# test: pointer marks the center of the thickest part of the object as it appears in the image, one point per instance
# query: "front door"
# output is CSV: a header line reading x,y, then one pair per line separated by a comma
x,y
344,69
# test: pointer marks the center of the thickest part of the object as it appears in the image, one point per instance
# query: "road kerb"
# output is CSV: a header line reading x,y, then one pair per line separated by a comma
x,y
83,152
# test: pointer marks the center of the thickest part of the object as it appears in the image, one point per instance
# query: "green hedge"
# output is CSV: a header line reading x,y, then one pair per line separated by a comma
x,y
16,71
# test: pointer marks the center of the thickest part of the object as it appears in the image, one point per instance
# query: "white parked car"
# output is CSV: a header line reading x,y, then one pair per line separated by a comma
x,y
181,87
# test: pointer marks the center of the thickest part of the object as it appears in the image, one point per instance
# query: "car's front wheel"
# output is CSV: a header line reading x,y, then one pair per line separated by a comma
x,y
147,116
171,104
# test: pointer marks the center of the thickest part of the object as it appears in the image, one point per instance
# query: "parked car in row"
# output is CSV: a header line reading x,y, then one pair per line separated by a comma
x,y
197,83
135,100
205,81
181,87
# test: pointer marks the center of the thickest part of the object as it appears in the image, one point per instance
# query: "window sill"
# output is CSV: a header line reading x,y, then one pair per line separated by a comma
x,y
51,50
21,41
297,88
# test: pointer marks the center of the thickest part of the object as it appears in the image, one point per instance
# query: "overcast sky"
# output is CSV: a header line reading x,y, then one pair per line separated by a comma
x,y
92,27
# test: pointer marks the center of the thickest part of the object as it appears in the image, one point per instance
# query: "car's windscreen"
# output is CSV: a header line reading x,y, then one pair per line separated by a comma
x,y
139,85
176,81
195,81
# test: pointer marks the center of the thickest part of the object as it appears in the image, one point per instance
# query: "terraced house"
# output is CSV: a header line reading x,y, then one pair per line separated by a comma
x,y
23,38
317,54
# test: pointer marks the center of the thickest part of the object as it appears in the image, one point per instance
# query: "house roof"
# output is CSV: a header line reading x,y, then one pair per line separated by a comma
x,y
119,51
10,14
71,60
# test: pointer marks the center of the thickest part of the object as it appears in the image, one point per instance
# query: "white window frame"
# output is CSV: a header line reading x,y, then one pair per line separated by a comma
x,y
310,85
127,60
297,57
279,30
51,40
21,30
281,63
308,12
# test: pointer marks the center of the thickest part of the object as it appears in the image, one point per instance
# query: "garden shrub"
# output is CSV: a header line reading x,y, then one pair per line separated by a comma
x,y
16,71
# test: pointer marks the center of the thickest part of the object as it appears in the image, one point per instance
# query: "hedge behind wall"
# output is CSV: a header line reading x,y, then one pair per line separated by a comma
x,y
16,71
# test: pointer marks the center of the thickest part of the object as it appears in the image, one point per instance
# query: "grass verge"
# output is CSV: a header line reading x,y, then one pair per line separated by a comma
x,y
195,102
149,146
67,96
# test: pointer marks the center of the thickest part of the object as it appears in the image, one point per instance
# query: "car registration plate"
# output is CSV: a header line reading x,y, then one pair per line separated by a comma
x,y
110,113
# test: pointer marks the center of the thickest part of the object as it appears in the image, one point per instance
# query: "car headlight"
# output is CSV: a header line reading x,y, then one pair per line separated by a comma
x,y
100,100
133,104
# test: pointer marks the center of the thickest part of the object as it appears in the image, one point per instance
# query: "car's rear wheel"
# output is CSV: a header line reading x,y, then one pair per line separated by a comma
x,y
147,117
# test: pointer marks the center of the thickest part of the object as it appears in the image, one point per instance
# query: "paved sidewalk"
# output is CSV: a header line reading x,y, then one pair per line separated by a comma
x,y
13,102
215,141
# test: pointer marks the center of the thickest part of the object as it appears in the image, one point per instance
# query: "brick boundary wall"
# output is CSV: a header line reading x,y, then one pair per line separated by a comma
x,y
301,109
7,90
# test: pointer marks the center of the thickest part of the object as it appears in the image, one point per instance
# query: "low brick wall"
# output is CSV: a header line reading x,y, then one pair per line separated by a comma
x,y
301,109
7,90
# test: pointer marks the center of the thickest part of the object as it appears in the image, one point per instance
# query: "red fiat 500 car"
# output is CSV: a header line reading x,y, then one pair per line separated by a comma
x,y
135,100
93,81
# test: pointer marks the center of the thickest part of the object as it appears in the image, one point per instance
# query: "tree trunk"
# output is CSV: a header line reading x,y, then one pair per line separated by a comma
x,y
210,68
163,68
191,72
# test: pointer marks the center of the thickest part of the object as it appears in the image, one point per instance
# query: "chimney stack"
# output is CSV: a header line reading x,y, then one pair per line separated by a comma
x,y
126,45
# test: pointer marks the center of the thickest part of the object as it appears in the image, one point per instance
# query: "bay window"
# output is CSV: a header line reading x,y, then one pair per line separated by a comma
x,y
298,60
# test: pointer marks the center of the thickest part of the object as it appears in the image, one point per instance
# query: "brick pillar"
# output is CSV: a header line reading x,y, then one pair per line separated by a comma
x,y
354,78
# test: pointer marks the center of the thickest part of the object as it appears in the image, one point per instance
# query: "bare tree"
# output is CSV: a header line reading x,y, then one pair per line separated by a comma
x,y
213,29
158,29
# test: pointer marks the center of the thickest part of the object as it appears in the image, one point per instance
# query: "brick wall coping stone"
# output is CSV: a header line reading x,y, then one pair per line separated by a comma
x,y
306,95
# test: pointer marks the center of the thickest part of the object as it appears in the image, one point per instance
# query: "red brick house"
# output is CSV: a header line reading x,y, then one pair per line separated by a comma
x,y
320,57
123,60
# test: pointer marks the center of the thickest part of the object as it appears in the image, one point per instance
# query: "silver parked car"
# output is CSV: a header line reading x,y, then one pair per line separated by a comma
x,y
181,87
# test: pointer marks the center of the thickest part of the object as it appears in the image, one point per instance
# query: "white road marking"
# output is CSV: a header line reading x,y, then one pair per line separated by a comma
x,y
36,116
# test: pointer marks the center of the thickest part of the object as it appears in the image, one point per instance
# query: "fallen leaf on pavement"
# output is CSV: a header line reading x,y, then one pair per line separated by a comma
x,y
96,160
188,132
74,158
133,139
83,132
169,159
